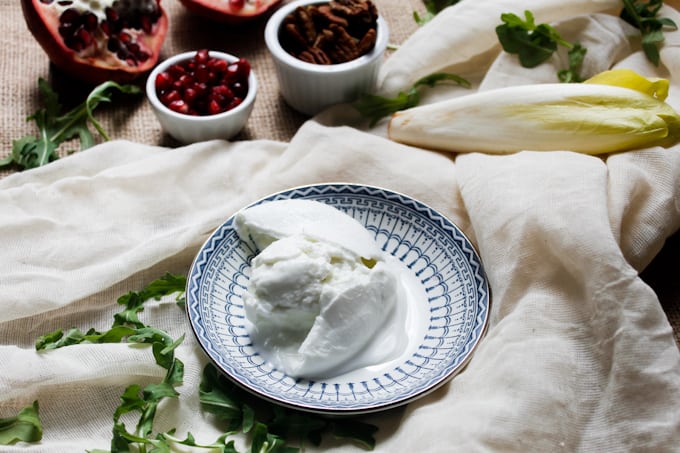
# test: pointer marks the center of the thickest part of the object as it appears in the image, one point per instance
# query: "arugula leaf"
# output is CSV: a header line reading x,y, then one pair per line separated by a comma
x,y
376,107
643,17
269,428
432,8
127,326
572,75
24,427
270,431
57,339
54,128
361,433
534,44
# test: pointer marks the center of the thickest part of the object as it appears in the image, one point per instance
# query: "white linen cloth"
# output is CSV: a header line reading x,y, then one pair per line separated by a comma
x,y
579,355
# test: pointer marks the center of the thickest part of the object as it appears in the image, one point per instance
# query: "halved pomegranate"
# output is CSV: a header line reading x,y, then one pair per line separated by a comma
x,y
101,40
230,11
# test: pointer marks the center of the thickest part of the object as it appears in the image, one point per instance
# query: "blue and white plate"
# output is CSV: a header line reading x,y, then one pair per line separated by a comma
x,y
453,311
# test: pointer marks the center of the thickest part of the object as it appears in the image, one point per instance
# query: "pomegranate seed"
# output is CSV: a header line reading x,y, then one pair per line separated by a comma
x,y
237,4
218,66
179,106
90,22
214,107
203,85
202,56
190,95
222,90
234,103
163,81
147,25
112,15
185,81
239,89
171,96
202,73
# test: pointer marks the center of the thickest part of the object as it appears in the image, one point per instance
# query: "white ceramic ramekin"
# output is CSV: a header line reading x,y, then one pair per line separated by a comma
x,y
189,128
310,88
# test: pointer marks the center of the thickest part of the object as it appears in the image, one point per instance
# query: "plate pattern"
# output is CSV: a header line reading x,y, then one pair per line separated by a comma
x,y
432,247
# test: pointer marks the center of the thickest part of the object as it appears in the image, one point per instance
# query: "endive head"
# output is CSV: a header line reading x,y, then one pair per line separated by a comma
x,y
614,111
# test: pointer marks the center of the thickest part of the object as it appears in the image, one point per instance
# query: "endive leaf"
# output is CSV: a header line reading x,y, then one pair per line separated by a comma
x,y
627,78
590,118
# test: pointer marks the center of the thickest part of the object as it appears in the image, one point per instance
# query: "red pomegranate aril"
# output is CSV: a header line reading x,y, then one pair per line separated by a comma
x,y
218,66
234,103
202,83
170,97
222,90
237,4
202,73
179,106
163,81
202,56
190,95
214,107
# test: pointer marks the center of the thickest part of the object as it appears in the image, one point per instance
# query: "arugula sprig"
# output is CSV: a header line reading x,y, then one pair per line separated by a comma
x,y
55,127
270,428
642,15
535,43
376,107
272,424
23,427
432,8
126,323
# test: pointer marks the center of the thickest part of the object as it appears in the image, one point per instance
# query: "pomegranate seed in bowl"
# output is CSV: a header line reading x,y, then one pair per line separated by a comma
x,y
206,85
202,95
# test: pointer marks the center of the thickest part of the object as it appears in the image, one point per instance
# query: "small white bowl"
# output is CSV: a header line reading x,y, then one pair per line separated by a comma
x,y
310,88
190,128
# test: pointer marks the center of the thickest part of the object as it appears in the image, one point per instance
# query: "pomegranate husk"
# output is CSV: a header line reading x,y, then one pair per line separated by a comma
x,y
91,70
222,10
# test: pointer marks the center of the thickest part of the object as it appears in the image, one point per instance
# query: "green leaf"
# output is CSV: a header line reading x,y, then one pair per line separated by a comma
x,y
216,397
576,56
432,8
643,16
265,442
24,427
54,127
377,107
298,425
532,43
355,431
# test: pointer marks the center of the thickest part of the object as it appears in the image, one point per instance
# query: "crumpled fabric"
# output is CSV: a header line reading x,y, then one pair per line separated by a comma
x,y
578,355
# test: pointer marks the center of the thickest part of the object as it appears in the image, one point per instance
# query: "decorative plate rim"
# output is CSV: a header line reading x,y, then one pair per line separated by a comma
x,y
456,365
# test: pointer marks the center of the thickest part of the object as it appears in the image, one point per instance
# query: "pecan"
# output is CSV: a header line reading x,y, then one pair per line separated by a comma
x,y
344,46
327,13
306,23
357,10
314,55
366,43
293,32
333,32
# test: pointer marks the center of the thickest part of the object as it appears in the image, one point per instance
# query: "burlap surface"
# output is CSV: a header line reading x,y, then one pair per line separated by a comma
x,y
22,62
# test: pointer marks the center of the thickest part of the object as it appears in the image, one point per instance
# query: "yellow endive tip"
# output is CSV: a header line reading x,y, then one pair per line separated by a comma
x,y
627,78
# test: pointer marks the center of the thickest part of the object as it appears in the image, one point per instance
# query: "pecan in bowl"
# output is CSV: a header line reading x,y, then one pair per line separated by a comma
x,y
326,52
330,33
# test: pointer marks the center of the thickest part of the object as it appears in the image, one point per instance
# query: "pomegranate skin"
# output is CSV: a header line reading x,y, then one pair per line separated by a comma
x,y
44,25
230,11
